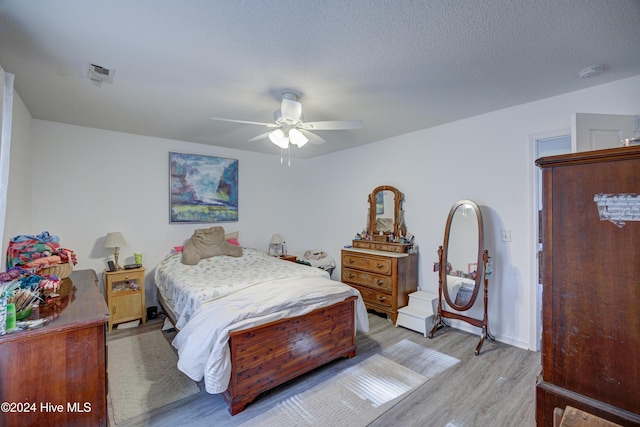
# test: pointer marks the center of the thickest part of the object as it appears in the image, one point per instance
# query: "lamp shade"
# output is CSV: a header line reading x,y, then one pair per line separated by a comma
x,y
297,138
279,138
114,240
276,239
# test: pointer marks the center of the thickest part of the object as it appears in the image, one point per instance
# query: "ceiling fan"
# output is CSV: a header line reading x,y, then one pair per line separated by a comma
x,y
290,127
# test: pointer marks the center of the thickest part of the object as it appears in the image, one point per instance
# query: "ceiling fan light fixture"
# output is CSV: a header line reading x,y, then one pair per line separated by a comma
x,y
290,126
297,138
279,138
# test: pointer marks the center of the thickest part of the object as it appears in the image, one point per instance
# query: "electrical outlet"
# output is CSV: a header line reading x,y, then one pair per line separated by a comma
x,y
506,235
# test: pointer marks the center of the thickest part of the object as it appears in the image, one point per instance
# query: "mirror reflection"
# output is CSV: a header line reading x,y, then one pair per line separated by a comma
x,y
385,211
462,257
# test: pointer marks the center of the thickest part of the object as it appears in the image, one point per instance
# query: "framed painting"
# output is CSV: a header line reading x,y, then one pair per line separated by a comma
x,y
472,266
203,189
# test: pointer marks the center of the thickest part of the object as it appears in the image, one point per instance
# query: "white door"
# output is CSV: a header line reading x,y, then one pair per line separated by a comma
x,y
600,131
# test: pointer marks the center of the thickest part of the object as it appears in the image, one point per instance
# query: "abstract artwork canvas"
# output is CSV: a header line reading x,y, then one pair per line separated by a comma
x,y
203,189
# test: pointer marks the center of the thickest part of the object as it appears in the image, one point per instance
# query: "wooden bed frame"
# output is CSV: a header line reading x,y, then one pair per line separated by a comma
x,y
265,356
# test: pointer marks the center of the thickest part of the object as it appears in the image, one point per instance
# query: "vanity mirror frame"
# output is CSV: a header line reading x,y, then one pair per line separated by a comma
x,y
445,299
380,241
398,222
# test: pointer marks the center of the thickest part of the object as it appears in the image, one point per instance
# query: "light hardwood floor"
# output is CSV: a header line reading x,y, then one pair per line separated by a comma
x,y
496,388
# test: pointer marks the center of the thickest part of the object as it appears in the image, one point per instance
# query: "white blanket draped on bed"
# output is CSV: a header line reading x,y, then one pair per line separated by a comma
x,y
202,342
185,287
224,293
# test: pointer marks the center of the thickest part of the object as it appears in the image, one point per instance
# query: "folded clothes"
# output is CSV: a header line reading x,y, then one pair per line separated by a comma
x,y
44,261
43,237
24,250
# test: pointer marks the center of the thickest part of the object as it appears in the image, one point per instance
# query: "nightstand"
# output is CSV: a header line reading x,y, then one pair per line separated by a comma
x,y
125,295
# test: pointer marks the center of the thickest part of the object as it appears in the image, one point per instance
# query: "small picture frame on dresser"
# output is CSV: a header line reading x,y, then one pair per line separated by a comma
x,y
112,266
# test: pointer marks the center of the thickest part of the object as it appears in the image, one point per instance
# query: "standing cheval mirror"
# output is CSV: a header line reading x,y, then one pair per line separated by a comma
x,y
463,272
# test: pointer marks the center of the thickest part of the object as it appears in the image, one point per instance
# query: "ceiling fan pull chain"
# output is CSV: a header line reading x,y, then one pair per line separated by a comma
x,y
289,149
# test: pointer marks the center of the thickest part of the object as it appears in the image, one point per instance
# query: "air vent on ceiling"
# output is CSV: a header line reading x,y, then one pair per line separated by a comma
x,y
99,74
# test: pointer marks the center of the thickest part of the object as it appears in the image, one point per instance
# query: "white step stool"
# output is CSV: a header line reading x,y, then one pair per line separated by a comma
x,y
419,314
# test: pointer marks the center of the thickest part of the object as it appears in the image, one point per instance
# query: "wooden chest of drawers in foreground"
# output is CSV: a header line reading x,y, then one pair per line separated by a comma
x,y
56,375
384,279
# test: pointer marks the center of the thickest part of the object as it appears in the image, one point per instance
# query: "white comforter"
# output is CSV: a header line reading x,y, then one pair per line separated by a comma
x,y
202,342
186,287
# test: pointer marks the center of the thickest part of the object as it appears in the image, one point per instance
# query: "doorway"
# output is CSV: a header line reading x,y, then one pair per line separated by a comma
x,y
542,145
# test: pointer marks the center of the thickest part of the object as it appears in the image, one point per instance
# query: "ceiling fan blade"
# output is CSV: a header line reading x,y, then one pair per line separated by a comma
x,y
261,136
312,137
333,125
291,109
269,125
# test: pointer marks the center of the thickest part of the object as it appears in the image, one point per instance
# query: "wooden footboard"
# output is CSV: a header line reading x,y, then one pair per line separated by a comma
x,y
268,355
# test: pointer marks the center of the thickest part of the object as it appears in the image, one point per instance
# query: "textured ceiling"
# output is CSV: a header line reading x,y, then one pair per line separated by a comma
x,y
399,66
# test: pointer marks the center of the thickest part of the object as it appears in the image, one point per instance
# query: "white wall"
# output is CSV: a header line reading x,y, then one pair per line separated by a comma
x,y
22,173
486,159
87,182
100,181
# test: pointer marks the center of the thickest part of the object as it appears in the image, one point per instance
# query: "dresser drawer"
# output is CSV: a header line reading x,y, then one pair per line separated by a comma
x,y
374,299
384,279
375,281
367,263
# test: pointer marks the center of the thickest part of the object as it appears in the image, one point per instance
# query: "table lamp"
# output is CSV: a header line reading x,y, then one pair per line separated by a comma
x,y
115,240
275,245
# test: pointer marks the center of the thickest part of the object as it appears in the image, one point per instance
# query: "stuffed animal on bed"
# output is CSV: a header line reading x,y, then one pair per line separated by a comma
x,y
207,243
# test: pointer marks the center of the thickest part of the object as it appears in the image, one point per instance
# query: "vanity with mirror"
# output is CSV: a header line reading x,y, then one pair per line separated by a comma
x,y
385,229
463,269
381,263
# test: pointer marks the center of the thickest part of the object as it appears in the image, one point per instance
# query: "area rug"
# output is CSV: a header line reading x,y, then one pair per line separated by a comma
x,y
143,375
354,397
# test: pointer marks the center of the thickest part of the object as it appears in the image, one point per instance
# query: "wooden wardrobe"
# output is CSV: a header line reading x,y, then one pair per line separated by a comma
x,y
591,285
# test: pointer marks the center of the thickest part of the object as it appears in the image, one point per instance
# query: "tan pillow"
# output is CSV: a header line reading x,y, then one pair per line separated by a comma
x,y
206,243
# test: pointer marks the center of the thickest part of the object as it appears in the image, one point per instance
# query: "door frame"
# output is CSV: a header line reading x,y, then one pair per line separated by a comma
x,y
535,297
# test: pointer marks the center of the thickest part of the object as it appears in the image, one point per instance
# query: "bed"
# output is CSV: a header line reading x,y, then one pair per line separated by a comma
x,y
247,324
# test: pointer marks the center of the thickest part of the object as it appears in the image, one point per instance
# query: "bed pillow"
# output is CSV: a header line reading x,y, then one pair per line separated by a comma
x,y
233,238
234,242
229,237
207,243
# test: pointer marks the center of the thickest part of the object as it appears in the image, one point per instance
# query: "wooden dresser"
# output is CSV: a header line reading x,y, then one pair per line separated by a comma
x,y
384,279
591,285
56,375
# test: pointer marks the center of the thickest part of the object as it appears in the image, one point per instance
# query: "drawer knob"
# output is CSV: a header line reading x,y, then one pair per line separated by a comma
x,y
380,282
351,260
379,266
